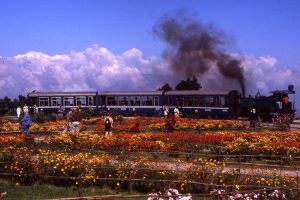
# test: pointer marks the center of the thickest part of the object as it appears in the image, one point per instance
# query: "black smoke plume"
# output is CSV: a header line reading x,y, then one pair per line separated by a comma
x,y
194,48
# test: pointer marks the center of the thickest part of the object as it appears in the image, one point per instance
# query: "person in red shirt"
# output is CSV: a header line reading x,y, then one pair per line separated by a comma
x,y
285,99
135,128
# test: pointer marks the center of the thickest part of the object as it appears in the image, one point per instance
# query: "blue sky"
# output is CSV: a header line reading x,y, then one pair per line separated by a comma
x,y
59,26
109,37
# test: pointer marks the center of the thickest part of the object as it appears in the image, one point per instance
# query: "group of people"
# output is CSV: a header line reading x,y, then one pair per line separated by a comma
x,y
170,118
73,120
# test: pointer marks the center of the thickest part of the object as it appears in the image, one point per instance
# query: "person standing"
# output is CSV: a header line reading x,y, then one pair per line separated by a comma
x,y
108,124
253,117
76,118
165,111
60,112
35,109
26,121
19,110
69,122
176,112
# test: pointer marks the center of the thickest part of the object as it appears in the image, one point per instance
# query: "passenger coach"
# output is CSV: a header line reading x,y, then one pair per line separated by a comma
x,y
51,101
201,102
132,102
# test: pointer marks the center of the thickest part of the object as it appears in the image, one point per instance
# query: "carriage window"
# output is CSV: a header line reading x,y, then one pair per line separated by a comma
x,y
68,101
188,101
55,101
211,101
217,101
170,101
90,101
199,101
224,101
156,101
44,101
179,101
220,101
134,100
111,101
147,100
206,102
81,101
122,101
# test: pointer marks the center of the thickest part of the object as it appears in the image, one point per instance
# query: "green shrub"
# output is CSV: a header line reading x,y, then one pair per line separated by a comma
x,y
38,117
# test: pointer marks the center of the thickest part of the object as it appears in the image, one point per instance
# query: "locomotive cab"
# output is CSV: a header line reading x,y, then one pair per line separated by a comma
x,y
285,100
279,103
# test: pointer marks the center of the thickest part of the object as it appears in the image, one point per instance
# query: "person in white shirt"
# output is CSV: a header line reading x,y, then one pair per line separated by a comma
x,y
19,110
176,112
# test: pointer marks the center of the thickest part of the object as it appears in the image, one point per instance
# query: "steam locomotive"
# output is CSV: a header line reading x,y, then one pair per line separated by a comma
x,y
278,103
201,103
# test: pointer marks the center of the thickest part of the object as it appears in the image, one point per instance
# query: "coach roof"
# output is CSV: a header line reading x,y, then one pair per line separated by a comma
x,y
130,93
197,92
77,93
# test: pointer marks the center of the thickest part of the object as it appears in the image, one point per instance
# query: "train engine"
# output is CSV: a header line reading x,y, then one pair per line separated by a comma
x,y
279,103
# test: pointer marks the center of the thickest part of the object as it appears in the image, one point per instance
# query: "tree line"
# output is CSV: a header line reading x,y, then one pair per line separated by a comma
x,y
188,84
8,105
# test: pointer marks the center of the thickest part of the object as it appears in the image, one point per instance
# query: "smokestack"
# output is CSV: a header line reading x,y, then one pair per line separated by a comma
x,y
194,48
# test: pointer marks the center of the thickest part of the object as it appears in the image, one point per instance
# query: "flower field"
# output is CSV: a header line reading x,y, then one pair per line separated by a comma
x,y
146,123
198,157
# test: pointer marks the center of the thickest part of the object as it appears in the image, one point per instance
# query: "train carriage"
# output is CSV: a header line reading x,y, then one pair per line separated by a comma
x,y
132,102
49,102
199,102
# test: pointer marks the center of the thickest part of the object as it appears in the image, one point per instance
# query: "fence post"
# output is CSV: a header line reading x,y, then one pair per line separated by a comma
x,y
239,168
280,165
130,179
297,184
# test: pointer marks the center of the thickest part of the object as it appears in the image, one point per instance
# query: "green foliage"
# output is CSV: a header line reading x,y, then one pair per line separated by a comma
x,y
23,100
8,106
38,117
53,117
188,84
118,118
46,191
165,87
5,105
88,113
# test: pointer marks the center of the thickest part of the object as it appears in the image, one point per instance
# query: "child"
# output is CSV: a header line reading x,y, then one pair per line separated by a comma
x,y
26,121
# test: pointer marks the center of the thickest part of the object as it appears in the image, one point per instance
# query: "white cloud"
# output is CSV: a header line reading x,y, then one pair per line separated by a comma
x,y
264,74
95,68
267,60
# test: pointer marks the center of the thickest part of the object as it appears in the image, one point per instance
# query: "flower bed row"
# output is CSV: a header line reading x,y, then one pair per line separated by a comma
x,y
146,123
63,167
225,142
